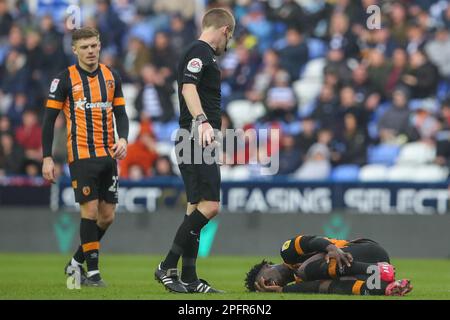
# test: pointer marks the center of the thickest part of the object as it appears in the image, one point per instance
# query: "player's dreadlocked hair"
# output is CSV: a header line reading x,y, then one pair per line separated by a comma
x,y
251,275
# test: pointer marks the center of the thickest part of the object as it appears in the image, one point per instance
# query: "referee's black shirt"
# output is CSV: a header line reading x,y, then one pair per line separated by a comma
x,y
198,65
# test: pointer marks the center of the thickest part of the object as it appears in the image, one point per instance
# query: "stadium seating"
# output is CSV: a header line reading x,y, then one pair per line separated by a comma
x,y
373,172
416,153
242,112
383,154
344,173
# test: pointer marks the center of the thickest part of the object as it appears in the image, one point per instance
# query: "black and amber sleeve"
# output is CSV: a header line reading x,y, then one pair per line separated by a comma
x,y
119,110
302,245
57,95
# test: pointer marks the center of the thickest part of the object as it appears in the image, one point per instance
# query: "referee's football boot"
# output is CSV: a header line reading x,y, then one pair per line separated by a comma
x,y
169,279
201,286
70,272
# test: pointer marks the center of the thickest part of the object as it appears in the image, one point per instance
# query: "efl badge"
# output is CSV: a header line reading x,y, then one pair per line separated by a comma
x,y
86,191
195,65
54,85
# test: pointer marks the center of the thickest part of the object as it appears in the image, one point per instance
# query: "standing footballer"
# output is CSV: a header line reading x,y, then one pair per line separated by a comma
x,y
199,96
89,93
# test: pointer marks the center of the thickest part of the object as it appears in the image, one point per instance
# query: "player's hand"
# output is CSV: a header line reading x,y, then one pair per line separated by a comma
x,y
48,169
206,134
342,258
264,286
120,149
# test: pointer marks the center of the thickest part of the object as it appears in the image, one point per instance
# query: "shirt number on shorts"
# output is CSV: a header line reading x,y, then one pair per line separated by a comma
x,y
113,187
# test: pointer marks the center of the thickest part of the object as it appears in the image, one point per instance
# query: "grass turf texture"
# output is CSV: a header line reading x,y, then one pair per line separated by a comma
x,y
40,276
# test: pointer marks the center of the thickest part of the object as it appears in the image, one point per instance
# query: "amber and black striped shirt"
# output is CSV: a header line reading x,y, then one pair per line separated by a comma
x,y
88,101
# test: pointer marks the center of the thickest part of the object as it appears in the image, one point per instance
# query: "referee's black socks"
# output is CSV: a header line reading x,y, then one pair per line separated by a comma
x,y
186,243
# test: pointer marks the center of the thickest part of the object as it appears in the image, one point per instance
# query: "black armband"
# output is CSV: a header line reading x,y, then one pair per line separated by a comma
x,y
48,126
122,122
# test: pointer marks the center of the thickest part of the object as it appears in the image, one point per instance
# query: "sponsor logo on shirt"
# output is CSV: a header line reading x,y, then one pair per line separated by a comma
x,y
83,104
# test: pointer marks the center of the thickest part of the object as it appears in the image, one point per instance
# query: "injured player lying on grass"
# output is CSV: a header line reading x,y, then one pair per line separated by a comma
x,y
314,264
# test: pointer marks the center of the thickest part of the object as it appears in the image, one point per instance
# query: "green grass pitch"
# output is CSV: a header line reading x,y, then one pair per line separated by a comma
x,y
40,276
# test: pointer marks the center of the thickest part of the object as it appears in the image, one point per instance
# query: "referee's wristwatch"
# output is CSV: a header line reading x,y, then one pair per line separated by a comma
x,y
201,118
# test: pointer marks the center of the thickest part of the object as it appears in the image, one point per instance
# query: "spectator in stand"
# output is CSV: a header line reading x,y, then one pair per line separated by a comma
x,y
317,165
394,124
438,51
290,155
416,39
15,76
422,76
348,104
443,136
137,55
163,167
5,126
53,58
111,28
16,38
32,168
307,137
6,20
29,136
325,107
153,100
424,123
257,24
383,42
398,23
354,140
336,66
180,35
361,84
240,80
340,37
141,154
264,76
186,8
294,56
12,156
281,101
163,56
291,13
399,63
378,70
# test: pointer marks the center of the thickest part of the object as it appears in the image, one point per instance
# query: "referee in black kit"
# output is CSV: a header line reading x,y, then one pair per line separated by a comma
x,y
200,115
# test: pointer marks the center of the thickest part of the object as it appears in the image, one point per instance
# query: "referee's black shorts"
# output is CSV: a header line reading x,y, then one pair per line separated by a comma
x,y
201,176
94,179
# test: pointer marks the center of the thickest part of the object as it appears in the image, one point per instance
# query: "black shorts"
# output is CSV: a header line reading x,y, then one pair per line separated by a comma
x,y
201,180
368,251
95,178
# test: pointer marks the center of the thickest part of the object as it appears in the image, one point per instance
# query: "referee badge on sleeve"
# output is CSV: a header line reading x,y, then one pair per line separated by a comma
x,y
195,65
